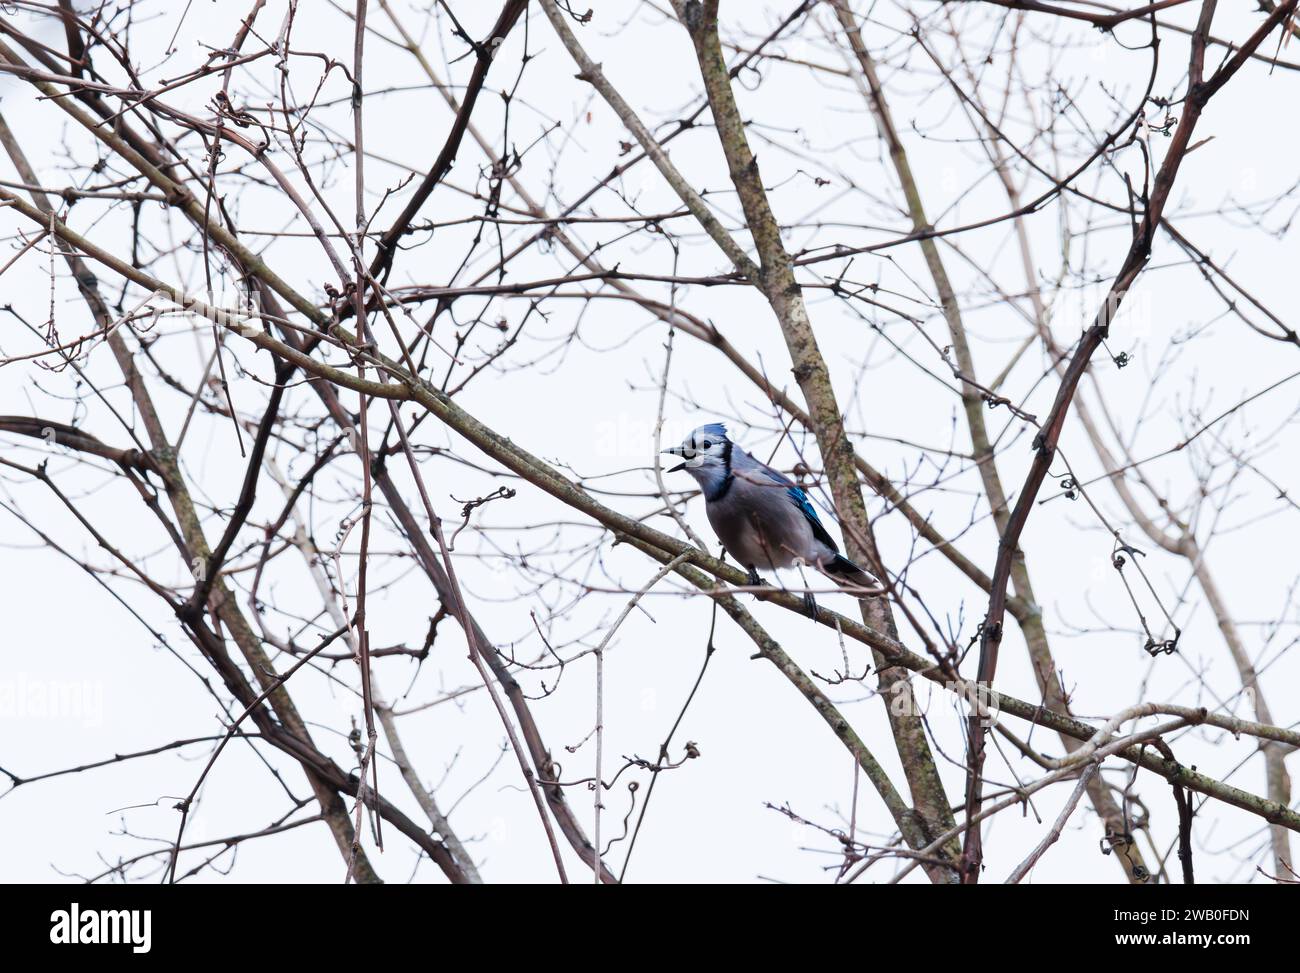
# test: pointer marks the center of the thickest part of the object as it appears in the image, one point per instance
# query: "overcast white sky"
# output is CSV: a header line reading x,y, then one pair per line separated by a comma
x,y
591,407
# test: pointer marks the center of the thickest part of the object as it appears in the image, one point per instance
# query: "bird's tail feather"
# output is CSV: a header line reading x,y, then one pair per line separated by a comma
x,y
844,572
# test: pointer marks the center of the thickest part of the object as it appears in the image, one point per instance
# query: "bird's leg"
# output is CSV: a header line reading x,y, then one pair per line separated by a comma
x,y
809,602
754,581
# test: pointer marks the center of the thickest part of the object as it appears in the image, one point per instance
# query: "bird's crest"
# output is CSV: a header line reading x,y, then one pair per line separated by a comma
x,y
714,429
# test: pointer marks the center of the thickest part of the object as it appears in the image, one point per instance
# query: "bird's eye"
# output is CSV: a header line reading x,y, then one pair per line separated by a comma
x,y
706,444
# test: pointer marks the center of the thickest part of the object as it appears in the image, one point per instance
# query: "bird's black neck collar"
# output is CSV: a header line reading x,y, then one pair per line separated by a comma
x,y
723,485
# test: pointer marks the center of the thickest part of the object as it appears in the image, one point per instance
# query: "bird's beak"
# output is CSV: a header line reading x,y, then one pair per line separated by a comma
x,y
676,451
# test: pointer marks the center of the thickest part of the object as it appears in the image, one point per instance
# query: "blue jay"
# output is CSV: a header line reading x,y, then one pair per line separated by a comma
x,y
762,517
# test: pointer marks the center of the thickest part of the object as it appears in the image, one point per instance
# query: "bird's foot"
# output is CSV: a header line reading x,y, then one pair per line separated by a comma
x,y
754,581
810,605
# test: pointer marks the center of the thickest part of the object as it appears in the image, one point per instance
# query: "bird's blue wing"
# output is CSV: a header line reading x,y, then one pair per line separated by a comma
x,y
800,499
